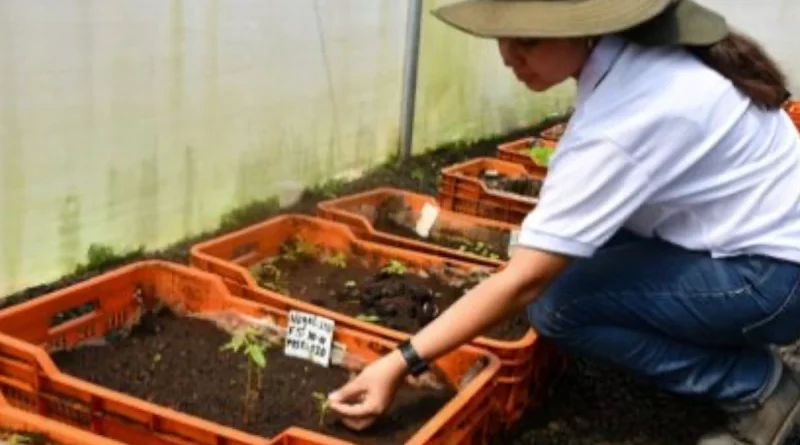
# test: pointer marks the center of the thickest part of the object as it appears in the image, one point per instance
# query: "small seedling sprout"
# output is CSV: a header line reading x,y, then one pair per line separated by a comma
x,y
350,284
395,267
19,439
323,404
248,342
369,318
269,276
299,249
338,259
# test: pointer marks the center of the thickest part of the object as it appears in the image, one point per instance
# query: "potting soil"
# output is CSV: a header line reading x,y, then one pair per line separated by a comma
x,y
523,186
177,362
393,297
394,217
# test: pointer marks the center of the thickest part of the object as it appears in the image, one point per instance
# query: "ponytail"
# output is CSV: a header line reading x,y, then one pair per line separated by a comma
x,y
746,64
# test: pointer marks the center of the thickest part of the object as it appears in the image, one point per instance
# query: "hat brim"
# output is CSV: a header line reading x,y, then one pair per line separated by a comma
x,y
685,23
542,19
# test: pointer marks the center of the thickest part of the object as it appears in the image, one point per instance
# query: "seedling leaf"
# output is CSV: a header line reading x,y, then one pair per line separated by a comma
x,y
541,155
256,354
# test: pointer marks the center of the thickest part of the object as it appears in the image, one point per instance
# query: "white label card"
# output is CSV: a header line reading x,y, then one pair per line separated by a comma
x,y
426,220
513,240
309,337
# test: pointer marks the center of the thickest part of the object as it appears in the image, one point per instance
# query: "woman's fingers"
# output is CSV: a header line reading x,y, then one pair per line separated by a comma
x,y
359,424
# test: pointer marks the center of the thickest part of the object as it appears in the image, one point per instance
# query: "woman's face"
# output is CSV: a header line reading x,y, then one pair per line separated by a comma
x,y
544,63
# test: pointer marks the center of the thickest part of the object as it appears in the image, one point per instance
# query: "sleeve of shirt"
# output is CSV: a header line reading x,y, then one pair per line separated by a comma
x,y
591,189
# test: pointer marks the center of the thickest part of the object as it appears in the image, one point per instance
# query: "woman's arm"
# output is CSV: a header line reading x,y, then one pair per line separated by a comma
x,y
495,299
525,277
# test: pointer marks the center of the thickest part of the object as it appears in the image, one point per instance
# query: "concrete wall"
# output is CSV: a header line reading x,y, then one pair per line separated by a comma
x,y
141,122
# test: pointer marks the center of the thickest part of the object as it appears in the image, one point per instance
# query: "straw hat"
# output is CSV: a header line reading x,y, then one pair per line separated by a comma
x,y
649,22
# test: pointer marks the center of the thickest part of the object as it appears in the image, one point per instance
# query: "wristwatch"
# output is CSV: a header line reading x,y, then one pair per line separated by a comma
x,y
416,365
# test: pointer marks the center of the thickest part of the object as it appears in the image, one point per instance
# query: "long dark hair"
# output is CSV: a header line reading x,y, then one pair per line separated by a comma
x,y
745,63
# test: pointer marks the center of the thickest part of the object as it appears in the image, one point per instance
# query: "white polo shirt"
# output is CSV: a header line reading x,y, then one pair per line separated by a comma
x,y
665,146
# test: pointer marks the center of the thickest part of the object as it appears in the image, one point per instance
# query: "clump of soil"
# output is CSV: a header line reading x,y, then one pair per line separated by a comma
x,y
393,296
177,362
23,438
517,185
395,216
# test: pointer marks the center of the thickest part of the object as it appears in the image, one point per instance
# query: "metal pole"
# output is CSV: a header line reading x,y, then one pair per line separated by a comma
x,y
413,26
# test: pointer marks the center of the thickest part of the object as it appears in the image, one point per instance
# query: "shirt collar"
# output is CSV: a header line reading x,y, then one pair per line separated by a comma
x,y
600,61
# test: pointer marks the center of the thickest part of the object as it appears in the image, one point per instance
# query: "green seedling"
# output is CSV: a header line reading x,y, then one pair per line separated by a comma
x,y
298,249
338,259
269,276
24,439
368,318
541,155
350,284
249,343
323,404
394,267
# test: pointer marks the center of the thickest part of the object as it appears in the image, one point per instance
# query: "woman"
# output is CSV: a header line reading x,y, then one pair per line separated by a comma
x,y
667,237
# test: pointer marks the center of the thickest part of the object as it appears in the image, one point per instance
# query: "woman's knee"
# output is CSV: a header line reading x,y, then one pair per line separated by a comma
x,y
543,316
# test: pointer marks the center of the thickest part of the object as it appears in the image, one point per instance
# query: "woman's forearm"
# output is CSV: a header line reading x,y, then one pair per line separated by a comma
x,y
490,302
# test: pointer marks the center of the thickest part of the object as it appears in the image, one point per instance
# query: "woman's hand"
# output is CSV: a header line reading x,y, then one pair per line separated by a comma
x,y
366,397
362,400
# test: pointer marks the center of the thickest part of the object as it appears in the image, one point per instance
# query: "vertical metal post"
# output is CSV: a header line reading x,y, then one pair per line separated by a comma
x,y
413,26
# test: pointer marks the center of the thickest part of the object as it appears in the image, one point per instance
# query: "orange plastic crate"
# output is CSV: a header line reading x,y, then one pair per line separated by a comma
x,y
30,380
461,190
358,212
519,152
793,108
12,419
527,363
554,132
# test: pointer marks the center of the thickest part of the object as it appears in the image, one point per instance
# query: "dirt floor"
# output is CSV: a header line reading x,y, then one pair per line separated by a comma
x,y
591,406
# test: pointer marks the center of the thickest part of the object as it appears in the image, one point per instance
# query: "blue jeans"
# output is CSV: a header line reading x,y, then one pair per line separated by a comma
x,y
690,324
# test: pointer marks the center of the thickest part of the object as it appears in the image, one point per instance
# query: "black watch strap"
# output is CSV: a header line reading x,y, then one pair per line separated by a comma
x,y
416,365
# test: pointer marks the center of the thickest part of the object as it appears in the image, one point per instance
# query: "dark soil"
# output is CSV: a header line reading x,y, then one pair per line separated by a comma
x,y
176,362
393,296
596,405
394,217
519,186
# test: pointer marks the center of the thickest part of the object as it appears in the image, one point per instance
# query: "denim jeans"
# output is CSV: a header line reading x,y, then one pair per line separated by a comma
x,y
688,323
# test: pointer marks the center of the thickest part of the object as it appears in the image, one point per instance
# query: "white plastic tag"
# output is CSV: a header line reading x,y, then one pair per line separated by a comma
x,y
309,337
427,219
512,240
